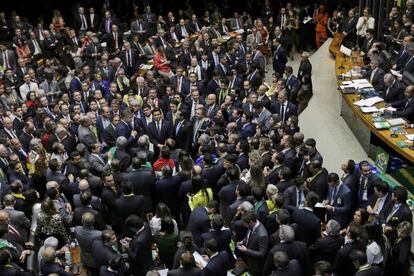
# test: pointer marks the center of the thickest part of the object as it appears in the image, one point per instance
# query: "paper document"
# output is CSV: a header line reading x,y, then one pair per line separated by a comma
x,y
346,51
307,19
163,272
319,205
388,109
373,100
396,73
369,109
348,83
410,136
396,121
360,81
199,259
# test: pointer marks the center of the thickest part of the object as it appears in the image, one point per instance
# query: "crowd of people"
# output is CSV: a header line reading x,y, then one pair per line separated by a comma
x,y
192,163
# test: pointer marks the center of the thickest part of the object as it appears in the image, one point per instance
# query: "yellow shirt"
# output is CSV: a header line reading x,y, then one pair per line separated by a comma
x,y
200,199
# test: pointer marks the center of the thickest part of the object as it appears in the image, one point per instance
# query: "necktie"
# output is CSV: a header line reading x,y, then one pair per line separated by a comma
x,y
394,209
179,84
159,128
178,127
116,40
238,24
376,206
333,195
108,25
84,23
6,60
363,194
299,196
282,111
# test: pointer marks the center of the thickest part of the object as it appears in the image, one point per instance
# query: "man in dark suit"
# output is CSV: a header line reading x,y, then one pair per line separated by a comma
x,y
292,248
292,84
393,90
80,21
93,20
349,29
86,199
405,107
198,222
308,223
180,82
17,218
146,181
317,182
375,75
279,57
339,200
368,42
129,57
283,107
227,194
159,130
129,203
187,266
124,129
360,261
366,182
114,40
218,262
139,247
183,131
295,194
305,69
166,190
327,247
396,212
343,263
254,246
248,129
121,154
378,203
103,249
310,153
284,266
109,133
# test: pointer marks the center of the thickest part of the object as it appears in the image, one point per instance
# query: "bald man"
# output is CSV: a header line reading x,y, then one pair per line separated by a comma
x,y
96,201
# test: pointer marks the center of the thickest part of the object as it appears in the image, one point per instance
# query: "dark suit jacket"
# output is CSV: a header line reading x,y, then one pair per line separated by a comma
x,y
305,71
291,109
326,248
319,184
184,135
377,79
110,42
217,266
48,268
402,214
139,252
159,138
248,130
166,191
78,213
293,268
222,237
279,60
144,186
291,196
343,263
394,92
194,271
124,159
342,202
129,205
198,223
293,86
295,250
227,196
309,225
405,108
256,248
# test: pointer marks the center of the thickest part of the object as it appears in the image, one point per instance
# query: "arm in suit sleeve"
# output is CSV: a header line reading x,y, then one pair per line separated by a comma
x,y
347,205
97,166
24,221
261,253
268,265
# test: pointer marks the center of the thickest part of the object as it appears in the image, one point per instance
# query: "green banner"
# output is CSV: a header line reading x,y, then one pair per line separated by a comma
x,y
381,159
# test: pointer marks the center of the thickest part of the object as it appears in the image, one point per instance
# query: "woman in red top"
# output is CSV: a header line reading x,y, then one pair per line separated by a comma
x,y
162,64
31,99
164,160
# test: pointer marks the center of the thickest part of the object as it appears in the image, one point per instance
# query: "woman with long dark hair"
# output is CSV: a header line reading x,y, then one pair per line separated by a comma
x,y
162,213
377,244
201,194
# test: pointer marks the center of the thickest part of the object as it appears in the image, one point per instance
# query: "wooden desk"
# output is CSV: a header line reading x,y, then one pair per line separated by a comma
x,y
366,119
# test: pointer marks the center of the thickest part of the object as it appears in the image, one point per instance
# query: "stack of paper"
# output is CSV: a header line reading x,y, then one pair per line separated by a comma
x,y
199,259
369,109
396,121
369,101
410,137
396,73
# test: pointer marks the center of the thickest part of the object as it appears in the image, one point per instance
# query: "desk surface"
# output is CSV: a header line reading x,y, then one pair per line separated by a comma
x,y
385,135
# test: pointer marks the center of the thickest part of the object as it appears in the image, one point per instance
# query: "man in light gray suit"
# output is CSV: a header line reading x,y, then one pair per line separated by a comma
x,y
51,87
85,235
98,162
236,22
17,218
262,115
253,38
85,134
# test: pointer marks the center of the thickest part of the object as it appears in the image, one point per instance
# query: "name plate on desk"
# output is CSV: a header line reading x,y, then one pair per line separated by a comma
x,y
346,51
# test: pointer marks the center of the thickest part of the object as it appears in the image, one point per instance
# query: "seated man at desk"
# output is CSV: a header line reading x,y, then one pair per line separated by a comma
x,y
404,107
375,75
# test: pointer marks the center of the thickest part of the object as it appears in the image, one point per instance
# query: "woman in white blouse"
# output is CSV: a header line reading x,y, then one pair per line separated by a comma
x,y
365,22
377,244
162,212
